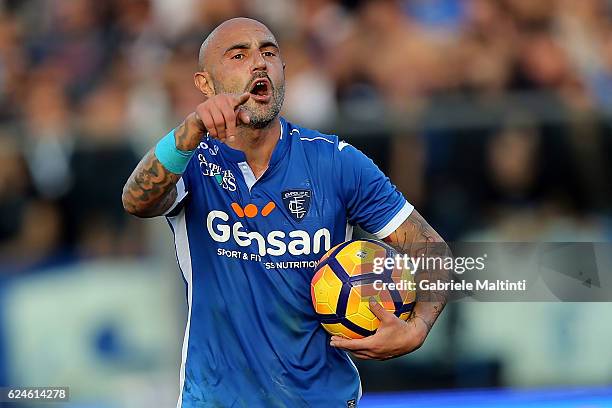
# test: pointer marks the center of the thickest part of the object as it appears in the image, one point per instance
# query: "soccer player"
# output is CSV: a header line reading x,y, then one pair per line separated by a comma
x,y
254,201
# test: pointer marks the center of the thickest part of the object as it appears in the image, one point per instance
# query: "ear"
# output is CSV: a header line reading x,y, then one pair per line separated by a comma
x,y
203,83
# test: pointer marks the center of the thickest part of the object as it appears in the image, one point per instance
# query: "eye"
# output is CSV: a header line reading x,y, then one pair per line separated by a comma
x,y
268,54
238,56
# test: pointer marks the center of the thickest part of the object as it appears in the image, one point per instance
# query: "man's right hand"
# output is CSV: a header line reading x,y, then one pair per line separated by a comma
x,y
218,115
151,189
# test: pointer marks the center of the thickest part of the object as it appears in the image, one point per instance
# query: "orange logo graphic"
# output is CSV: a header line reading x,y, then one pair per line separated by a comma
x,y
250,210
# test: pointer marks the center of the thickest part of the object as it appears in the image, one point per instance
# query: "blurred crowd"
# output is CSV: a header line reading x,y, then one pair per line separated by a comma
x,y
87,86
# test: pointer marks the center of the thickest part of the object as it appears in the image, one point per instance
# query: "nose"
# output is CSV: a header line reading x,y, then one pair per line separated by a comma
x,y
259,63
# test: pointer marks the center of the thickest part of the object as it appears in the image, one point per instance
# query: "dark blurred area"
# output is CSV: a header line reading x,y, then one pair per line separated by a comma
x,y
87,86
493,117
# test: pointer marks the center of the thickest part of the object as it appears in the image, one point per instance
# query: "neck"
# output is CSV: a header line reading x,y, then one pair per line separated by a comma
x,y
257,144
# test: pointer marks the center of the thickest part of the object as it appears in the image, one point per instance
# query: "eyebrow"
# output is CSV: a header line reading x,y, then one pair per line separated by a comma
x,y
246,46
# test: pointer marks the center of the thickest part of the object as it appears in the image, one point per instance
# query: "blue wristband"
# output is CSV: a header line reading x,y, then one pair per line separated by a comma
x,y
170,157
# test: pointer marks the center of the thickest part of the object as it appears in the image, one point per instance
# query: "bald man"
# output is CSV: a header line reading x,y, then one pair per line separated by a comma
x,y
254,201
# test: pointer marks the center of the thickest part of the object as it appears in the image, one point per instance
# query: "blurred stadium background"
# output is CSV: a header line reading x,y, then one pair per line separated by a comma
x,y
492,116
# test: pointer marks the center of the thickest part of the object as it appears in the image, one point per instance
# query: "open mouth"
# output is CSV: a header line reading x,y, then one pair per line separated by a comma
x,y
261,90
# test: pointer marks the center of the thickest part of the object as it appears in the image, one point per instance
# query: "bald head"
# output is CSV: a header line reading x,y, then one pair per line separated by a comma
x,y
241,55
213,44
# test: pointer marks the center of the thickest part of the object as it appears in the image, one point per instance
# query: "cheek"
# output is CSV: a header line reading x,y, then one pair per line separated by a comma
x,y
277,74
229,81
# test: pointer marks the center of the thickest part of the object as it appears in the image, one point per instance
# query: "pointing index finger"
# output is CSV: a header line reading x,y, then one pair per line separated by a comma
x,y
242,99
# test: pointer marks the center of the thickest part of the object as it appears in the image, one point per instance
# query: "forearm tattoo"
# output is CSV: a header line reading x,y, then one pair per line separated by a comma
x,y
151,189
416,238
189,133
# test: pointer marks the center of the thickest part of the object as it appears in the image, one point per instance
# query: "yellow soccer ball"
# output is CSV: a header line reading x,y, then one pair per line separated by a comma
x,y
345,278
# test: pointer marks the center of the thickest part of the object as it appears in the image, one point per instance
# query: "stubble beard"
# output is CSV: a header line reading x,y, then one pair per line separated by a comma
x,y
260,115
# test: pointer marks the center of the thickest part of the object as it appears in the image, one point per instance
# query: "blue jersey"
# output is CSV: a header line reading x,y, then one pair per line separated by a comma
x,y
247,249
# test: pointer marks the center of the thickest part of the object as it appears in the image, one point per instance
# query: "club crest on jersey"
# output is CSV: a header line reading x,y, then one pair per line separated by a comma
x,y
297,203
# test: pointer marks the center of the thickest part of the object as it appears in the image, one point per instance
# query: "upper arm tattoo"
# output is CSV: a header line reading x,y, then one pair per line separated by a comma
x,y
151,189
416,238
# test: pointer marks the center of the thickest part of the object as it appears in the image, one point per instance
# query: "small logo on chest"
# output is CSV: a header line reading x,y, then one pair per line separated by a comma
x,y
224,178
297,203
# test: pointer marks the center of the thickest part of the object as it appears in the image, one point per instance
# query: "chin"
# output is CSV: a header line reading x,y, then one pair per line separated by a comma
x,y
261,119
260,123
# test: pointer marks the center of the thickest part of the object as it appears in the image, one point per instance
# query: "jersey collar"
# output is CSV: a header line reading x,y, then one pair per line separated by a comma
x,y
277,154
